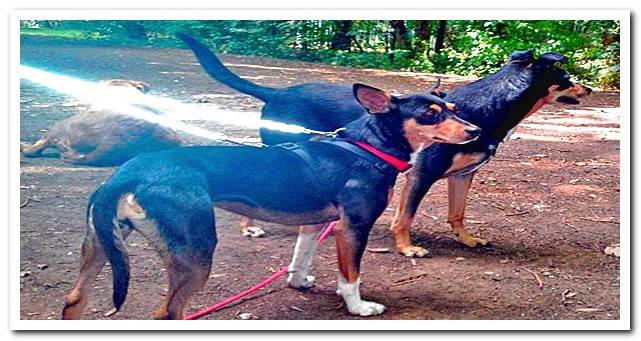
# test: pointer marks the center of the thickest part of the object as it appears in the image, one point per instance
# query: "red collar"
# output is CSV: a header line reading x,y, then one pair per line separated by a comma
x,y
400,165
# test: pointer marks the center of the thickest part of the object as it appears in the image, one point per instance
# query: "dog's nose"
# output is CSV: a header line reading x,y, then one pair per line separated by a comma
x,y
589,90
473,132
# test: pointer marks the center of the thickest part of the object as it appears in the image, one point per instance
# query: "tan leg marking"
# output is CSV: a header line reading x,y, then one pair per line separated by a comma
x,y
93,260
403,222
344,246
185,278
184,281
249,229
458,187
349,278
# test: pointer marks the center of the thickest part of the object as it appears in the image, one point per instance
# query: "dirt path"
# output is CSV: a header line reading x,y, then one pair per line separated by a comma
x,y
549,203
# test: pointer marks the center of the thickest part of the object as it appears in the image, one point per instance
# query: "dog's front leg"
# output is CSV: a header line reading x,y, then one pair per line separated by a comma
x,y
458,187
303,255
36,148
350,244
416,186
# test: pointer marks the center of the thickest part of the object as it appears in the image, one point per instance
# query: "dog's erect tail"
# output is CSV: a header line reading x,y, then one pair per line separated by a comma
x,y
102,217
219,72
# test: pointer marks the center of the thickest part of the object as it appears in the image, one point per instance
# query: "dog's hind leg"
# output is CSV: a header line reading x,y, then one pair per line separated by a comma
x,y
185,238
416,186
36,148
303,256
187,274
457,188
249,229
71,156
93,260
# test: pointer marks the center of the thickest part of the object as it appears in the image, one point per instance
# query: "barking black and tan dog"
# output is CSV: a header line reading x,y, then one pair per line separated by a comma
x,y
100,137
169,198
496,103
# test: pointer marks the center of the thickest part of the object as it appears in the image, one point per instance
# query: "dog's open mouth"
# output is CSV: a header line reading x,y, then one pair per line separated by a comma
x,y
470,140
567,100
442,140
439,140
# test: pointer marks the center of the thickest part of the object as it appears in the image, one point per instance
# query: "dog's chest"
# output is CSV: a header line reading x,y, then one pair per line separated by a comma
x,y
465,163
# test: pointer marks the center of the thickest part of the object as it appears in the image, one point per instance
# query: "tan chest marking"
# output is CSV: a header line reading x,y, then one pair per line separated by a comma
x,y
462,161
543,101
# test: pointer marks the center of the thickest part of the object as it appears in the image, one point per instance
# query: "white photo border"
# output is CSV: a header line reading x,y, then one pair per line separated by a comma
x,y
624,323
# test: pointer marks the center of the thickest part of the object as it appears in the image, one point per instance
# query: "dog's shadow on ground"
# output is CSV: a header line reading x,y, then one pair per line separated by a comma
x,y
446,244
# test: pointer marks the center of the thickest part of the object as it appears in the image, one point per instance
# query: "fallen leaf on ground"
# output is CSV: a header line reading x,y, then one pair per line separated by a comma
x,y
378,249
614,249
246,316
587,310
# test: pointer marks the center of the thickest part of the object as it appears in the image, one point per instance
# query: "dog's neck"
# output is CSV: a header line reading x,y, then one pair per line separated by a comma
x,y
532,99
379,132
507,98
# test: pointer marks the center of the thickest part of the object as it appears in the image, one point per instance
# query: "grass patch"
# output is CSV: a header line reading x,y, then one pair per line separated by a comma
x,y
61,33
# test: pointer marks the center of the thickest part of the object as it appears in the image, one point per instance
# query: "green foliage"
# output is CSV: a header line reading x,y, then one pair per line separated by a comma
x,y
472,47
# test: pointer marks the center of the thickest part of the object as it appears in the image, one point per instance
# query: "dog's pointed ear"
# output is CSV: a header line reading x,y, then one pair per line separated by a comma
x,y
551,59
376,101
522,56
434,89
142,86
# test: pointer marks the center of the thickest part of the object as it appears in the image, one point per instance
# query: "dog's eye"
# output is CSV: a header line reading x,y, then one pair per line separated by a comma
x,y
436,108
450,106
429,117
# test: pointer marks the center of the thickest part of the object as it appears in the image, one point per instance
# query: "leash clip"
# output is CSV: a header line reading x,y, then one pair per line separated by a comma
x,y
330,134
288,145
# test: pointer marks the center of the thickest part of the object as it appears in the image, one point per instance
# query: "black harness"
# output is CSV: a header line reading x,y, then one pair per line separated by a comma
x,y
363,154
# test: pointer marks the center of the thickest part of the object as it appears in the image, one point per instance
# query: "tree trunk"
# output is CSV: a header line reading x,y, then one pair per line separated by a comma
x,y
440,36
423,36
500,30
135,29
342,40
399,35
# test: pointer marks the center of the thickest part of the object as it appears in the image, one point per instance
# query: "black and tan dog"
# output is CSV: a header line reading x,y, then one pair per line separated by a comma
x,y
101,137
169,196
496,103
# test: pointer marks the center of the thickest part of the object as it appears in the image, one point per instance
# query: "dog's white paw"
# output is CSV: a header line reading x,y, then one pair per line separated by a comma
x,y
301,283
352,296
253,232
366,308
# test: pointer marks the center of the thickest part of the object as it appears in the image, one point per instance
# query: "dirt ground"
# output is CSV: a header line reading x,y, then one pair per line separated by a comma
x,y
548,202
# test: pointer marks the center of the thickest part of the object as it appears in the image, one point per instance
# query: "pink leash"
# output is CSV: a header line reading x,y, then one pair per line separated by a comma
x,y
258,286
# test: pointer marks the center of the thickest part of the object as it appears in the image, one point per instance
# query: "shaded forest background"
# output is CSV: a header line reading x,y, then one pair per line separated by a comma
x,y
464,47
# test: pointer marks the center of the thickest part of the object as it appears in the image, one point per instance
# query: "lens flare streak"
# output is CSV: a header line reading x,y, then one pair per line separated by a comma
x,y
160,110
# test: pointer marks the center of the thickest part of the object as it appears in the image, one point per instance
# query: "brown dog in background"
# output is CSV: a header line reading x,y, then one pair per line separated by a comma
x,y
103,137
